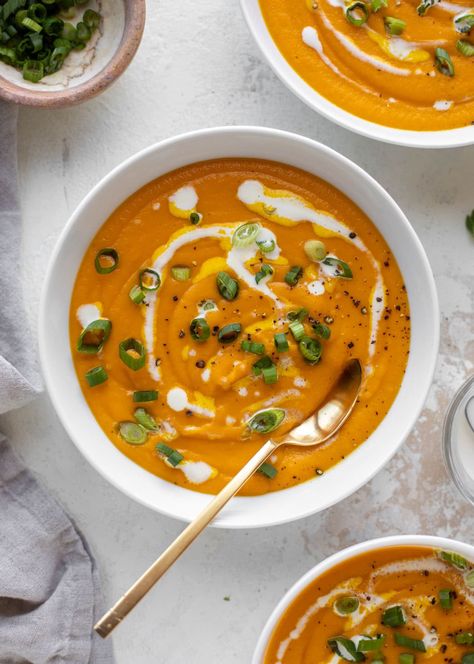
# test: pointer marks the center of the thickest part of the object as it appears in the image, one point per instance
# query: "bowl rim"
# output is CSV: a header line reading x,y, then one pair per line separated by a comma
x,y
239,514
431,541
134,24
443,138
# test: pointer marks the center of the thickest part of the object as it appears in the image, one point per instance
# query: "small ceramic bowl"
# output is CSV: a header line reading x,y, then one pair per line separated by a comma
x,y
465,550
85,73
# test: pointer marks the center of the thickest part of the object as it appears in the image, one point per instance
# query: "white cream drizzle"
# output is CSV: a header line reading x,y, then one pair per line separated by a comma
x,y
316,287
87,313
196,472
177,400
184,199
442,105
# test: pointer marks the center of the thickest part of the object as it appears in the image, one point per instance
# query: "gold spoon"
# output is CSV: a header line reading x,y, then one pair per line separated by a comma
x,y
317,429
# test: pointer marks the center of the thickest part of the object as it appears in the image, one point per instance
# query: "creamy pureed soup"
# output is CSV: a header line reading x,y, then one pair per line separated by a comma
x,y
399,605
403,63
218,305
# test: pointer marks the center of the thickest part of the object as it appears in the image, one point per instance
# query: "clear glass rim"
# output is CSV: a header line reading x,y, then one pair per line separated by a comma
x,y
447,439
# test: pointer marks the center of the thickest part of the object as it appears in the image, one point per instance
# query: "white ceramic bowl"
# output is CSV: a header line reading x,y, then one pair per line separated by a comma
x,y
449,138
63,386
465,550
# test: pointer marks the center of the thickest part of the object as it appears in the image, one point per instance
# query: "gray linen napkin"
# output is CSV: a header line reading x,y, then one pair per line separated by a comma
x,y
49,585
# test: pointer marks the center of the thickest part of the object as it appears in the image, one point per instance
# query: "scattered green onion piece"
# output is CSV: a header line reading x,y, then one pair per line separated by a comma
x,y
164,449
315,250
369,644
246,234
293,275
464,23
7,55
394,26
180,272
425,5
406,658
464,639
465,48
145,419
227,286
137,295
208,305
139,396
53,26
266,420
172,456
91,19
133,433
195,218
408,642
357,13
346,649
443,62
270,375
281,342
69,33
343,271
310,349
468,658
454,559
94,336
298,314
446,599
229,333
346,605
199,329
263,363
83,33
36,42
394,617
268,470
297,330
149,280
32,25
252,347
33,71
106,260
132,353
469,579
38,12
266,246
376,5
265,271
470,223
322,330
96,376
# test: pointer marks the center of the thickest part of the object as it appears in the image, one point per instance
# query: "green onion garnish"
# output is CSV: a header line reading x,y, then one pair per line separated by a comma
x,y
246,234
310,349
315,250
266,420
322,330
298,314
227,286
454,559
194,218
470,223
268,470
145,395
346,605
91,19
208,305
265,271
229,333
94,336
464,23
369,644
262,363
468,658
443,62
394,26
394,617
408,642
149,280
133,433
145,419
252,347
281,342
136,294
293,275
357,13
32,25
465,48
346,649
199,329
406,658
297,330
106,260
180,272
172,456
425,5
446,599
132,353
342,269
270,374
96,376
376,5
464,639
266,246
469,579
33,71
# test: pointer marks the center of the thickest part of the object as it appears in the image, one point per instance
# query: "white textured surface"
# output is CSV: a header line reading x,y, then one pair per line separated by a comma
x,y
198,67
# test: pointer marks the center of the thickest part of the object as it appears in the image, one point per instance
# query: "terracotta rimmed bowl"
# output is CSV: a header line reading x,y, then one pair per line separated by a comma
x,y
89,72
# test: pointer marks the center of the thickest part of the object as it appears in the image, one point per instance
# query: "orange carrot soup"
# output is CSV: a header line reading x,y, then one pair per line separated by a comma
x,y
219,304
399,605
402,63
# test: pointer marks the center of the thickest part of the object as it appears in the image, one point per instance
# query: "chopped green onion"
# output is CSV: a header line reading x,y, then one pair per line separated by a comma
x,y
293,275
464,639
322,330
227,286
454,559
394,26
145,419
369,644
132,353
342,269
376,5
195,218
394,617
346,649
281,342
357,13
94,336
425,5
229,333
446,599
266,246
208,305
137,295
69,33
346,605
408,642
266,420
297,330
252,347
145,395
91,19
315,250
246,234
53,26
149,280
310,349
96,376
265,271
172,456
268,470
33,71
133,433
465,48
37,11
469,579
262,363
468,658
106,260
32,25
406,658
200,330
443,62
270,375
299,314
83,33
180,272
464,23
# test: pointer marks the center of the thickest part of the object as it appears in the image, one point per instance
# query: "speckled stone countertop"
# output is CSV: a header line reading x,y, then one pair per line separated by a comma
x,y
197,66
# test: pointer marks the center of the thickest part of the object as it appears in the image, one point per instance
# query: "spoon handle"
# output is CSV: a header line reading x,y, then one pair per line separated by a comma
x,y
135,593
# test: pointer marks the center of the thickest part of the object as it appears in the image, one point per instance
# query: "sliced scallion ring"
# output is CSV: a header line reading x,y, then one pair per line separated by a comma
x,y
229,333
468,658
173,457
394,616
281,342
394,26
406,658
315,250
265,421
297,330
270,374
443,62
199,329
132,353
310,349
346,605
293,275
96,376
149,280
322,330
180,272
252,347
342,269
454,559
263,363
268,470
136,294
464,23
357,13
266,246
139,396
144,418
208,305
94,336
425,5
265,271
132,433
227,286
408,642
376,5
371,643
246,234
346,649
469,579
106,260
446,599
465,48
195,218
464,639
298,314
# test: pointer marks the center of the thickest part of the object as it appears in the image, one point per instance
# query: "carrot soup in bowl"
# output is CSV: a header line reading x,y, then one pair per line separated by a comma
x,y
217,304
